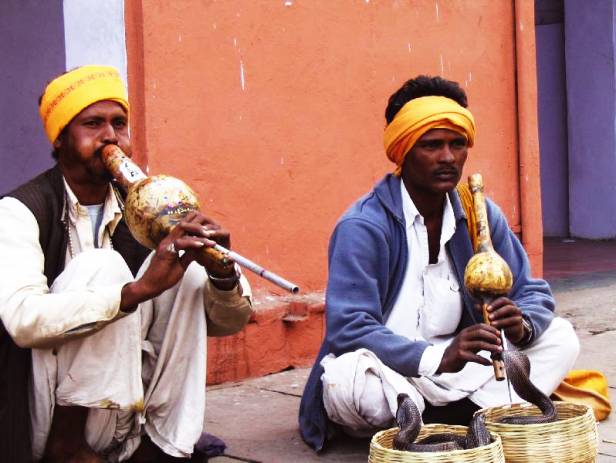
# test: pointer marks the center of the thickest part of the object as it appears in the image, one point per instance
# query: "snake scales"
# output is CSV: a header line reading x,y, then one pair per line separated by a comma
x,y
517,367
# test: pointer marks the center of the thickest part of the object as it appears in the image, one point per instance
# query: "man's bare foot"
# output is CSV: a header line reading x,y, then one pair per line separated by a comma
x,y
147,452
66,442
84,456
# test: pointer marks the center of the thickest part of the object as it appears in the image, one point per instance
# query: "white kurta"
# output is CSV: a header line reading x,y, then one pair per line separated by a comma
x,y
138,372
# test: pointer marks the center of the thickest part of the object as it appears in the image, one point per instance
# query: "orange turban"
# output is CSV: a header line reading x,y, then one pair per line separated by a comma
x,y
72,92
420,115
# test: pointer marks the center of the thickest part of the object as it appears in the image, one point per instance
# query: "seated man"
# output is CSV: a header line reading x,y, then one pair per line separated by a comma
x,y
398,316
114,366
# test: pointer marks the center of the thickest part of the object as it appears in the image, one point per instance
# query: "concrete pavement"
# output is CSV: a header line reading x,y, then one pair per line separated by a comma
x,y
257,418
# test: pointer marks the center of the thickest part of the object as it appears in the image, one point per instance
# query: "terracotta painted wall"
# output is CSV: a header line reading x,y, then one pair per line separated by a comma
x,y
273,110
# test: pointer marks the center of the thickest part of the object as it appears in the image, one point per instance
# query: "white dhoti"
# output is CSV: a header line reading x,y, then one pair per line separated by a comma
x,y
360,392
146,371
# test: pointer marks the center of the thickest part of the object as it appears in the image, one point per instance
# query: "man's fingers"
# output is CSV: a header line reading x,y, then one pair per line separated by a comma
x,y
210,231
193,242
198,218
499,302
477,346
197,228
186,258
508,322
505,313
471,347
498,305
211,226
192,228
480,331
478,359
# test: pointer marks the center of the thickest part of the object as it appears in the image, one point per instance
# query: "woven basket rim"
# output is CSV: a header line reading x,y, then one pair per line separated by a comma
x,y
496,440
573,438
583,409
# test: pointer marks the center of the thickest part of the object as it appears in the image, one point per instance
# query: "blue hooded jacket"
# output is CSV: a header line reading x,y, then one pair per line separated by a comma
x,y
368,255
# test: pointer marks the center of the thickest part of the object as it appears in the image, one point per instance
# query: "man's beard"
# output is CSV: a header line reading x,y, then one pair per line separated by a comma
x,y
97,167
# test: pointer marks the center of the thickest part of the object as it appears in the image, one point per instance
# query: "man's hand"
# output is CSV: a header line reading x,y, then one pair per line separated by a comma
x,y
505,315
465,346
210,234
166,268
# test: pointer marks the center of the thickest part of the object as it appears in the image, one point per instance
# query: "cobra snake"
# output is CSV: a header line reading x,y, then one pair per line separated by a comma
x,y
517,367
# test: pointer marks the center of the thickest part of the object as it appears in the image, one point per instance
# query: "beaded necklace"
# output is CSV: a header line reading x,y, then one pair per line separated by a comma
x,y
67,228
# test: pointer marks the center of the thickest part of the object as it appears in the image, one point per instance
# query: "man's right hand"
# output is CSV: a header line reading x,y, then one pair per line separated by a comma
x,y
166,267
465,346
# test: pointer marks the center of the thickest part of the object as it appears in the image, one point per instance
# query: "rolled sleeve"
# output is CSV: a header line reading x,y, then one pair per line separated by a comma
x,y
431,359
227,311
32,315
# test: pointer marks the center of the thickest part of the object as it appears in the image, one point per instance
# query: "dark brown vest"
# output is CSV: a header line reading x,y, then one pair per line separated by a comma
x,y
44,196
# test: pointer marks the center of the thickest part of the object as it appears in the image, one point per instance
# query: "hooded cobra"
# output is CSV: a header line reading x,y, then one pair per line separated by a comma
x,y
517,367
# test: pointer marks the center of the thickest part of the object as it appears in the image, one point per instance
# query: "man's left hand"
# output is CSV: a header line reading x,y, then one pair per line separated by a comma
x,y
207,232
505,315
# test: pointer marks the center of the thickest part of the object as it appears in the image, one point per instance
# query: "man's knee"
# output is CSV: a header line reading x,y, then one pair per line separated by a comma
x,y
93,267
568,342
359,391
105,260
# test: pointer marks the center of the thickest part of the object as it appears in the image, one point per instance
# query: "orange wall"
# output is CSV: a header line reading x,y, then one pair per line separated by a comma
x,y
273,110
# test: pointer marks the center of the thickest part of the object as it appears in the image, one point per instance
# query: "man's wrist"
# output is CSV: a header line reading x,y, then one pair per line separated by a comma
x,y
225,283
133,294
129,299
528,332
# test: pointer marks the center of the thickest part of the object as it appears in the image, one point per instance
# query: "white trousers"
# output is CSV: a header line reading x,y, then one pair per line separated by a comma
x,y
360,392
144,372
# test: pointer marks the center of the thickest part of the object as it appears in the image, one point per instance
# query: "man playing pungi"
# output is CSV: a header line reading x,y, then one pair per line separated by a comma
x,y
117,361
398,316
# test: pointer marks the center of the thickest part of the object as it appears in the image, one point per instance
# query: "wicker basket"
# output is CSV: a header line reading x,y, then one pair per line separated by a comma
x,y
571,439
381,448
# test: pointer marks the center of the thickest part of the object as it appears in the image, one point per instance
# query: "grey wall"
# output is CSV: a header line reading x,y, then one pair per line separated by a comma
x,y
552,110
591,98
32,51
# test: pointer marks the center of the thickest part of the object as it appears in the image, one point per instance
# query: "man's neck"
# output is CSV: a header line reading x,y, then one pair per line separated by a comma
x,y
429,204
88,194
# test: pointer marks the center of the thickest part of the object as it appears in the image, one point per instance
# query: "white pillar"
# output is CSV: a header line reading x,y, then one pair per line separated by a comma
x,y
94,33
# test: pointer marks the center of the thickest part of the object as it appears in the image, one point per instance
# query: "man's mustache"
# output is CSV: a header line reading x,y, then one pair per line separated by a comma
x,y
446,171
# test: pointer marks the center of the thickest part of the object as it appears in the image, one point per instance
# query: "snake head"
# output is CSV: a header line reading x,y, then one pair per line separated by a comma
x,y
407,411
408,419
407,415
516,361
402,413
478,435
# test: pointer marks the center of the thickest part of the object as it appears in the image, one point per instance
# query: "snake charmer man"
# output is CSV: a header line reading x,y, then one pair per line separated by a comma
x,y
399,319
103,345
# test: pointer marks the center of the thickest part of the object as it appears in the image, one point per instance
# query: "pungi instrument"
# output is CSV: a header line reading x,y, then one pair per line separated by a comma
x,y
154,205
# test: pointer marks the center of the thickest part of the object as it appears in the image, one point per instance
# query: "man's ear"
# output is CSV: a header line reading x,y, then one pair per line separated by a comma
x,y
58,143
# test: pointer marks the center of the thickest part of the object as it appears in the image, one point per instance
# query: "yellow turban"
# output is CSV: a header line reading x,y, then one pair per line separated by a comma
x,y
72,92
420,115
